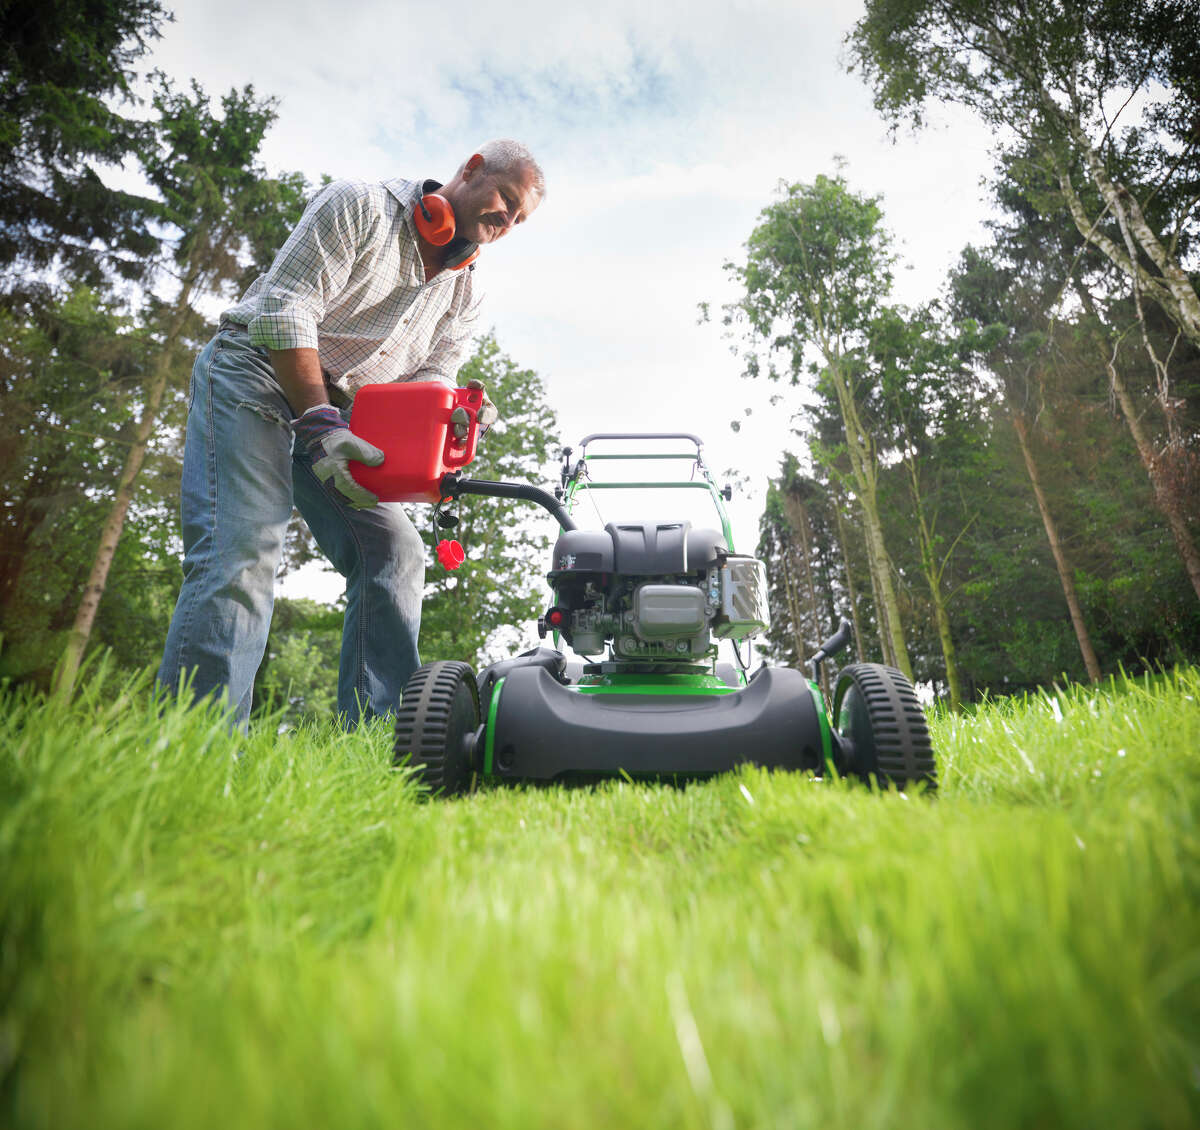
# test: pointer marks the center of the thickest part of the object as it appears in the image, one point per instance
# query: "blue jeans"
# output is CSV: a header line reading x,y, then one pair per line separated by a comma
x,y
240,481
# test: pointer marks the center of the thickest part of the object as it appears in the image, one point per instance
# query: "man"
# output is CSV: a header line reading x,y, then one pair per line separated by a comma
x,y
361,292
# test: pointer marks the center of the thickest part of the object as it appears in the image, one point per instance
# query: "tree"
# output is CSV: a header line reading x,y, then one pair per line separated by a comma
x,y
1054,80
818,269
1050,74
68,389
929,410
471,613
63,66
797,543
228,218
299,667
986,293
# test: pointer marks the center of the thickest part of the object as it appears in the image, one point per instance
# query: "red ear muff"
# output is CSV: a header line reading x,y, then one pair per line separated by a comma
x,y
434,218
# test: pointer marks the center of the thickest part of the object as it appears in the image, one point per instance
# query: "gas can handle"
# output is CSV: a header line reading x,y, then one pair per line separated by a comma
x,y
458,453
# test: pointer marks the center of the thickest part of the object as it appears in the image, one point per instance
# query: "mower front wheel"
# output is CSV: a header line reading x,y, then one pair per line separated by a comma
x,y
436,726
880,728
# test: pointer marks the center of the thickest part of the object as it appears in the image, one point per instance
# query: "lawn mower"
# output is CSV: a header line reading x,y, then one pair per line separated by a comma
x,y
643,604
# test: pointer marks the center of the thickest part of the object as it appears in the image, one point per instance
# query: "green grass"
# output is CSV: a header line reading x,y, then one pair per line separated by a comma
x,y
199,929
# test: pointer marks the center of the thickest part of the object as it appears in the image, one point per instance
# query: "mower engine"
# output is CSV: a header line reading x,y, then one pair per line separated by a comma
x,y
658,591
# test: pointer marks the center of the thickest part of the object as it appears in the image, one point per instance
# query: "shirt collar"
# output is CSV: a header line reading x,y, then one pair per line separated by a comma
x,y
403,190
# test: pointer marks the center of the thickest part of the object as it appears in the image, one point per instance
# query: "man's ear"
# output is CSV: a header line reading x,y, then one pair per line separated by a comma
x,y
475,161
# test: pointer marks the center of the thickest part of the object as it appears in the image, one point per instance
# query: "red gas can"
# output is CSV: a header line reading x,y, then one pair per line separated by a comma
x,y
410,423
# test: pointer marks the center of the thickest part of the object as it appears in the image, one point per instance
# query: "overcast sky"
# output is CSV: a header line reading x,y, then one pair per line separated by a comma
x,y
663,129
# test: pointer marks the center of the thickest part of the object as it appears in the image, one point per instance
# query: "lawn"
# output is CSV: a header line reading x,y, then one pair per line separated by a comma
x,y
214,930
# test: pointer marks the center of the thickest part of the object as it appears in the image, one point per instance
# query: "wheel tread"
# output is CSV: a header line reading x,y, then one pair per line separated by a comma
x,y
902,744
426,711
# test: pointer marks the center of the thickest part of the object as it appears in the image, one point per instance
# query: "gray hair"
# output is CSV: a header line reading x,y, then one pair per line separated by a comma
x,y
504,155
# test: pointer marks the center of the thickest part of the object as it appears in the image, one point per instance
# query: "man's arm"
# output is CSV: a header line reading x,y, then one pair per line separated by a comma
x,y
312,268
299,374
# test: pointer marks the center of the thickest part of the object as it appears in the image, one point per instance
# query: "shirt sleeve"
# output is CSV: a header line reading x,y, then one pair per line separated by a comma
x,y
452,339
313,267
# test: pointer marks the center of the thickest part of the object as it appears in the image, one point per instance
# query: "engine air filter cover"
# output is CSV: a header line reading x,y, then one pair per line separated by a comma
x,y
743,598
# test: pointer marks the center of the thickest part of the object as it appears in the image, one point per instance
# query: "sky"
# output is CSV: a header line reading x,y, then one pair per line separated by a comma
x,y
663,129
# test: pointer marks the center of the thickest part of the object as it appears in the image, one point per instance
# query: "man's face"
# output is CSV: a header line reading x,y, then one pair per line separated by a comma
x,y
489,205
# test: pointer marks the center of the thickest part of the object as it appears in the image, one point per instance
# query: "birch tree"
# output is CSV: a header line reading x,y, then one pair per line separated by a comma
x,y
1099,102
1065,79
818,268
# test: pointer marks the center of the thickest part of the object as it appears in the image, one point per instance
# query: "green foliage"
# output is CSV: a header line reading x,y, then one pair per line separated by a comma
x,y
199,928
1020,66
1054,81
70,381
1049,369
87,382
64,65
228,217
818,265
298,678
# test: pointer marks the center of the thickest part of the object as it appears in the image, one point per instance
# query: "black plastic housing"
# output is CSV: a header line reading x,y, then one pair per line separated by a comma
x,y
545,730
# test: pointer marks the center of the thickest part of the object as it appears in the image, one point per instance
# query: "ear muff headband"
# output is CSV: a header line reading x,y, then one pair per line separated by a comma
x,y
461,253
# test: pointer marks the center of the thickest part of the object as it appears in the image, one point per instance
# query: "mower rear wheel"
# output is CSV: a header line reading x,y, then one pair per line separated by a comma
x,y
436,726
880,727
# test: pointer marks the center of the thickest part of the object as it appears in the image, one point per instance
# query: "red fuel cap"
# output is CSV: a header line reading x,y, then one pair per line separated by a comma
x,y
450,554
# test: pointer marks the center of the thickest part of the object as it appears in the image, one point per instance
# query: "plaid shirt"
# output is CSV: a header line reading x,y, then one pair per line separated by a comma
x,y
349,282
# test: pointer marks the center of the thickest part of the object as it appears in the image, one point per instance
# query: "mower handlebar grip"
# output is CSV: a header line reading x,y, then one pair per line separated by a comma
x,y
836,642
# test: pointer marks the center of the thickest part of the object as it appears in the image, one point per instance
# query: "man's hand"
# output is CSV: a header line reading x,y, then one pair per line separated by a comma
x,y
487,414
331,445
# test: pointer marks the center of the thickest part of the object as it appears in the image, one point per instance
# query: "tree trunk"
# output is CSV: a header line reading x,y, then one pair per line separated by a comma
x,y
874,532
850,589
114,523
794,614
933,577
885,635
1167,503
797,514
1165,499
1172,289
862,465
1060,559
949,653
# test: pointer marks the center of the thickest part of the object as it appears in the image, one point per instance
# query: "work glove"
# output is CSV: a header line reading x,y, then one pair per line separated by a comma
x,y
331,445
487,414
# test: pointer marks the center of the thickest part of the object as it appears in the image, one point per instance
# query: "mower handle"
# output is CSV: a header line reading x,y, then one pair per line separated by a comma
x,y
452,485
642,435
